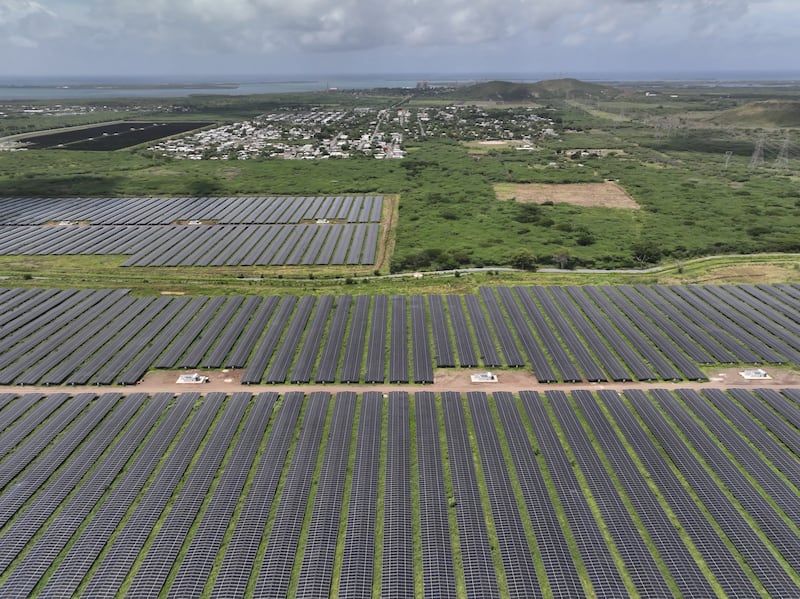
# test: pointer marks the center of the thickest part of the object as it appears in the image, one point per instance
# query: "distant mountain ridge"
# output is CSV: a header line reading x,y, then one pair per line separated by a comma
x,y
508,91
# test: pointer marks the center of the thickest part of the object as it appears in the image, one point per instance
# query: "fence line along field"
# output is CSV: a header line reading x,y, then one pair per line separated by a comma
x,y
682,493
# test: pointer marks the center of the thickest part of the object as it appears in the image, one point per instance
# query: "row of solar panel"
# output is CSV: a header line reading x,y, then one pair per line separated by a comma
x,y
660,494
567,334
216,245
165,211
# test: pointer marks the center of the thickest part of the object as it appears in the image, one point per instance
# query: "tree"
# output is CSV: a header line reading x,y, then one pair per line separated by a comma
x,y
524,259
646,251
563,259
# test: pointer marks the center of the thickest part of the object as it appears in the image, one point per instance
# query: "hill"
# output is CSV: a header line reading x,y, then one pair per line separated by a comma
x,y
767,113
507,91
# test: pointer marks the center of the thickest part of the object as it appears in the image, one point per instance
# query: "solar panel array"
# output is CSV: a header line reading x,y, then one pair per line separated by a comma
x,y
278,561
601,571
480,578
397,571
564,334
438,575
316,571
197,231
552,543
519,569
358,554
747,539
631,545
212,245
660,493
166,211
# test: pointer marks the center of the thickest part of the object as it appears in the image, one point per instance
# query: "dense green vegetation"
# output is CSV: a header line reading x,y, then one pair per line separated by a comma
x,y
693,179
54,173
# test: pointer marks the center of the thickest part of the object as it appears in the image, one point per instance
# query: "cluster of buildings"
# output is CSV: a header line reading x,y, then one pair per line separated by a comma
x,y
309,135
474,123
320,134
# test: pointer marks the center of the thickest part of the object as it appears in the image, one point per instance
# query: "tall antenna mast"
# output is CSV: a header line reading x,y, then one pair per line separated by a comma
x,y
758,153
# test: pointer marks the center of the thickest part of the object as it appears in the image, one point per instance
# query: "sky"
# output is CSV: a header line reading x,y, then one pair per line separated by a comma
x,y
276,38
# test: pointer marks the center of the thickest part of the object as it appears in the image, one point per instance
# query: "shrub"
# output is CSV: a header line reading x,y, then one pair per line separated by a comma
x,y
528,213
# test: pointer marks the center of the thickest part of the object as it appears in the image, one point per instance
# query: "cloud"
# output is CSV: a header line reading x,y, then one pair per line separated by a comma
x,y
322,25
285,29
24,23
14,11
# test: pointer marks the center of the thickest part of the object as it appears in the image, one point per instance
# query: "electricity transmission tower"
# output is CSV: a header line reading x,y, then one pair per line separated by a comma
x,y
782,161
758,153
728,155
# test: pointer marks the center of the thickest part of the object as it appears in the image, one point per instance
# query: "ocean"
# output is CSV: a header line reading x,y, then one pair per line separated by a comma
x,y
83,88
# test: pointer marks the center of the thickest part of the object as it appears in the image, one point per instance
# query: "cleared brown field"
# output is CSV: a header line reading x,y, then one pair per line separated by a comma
x,y
602,195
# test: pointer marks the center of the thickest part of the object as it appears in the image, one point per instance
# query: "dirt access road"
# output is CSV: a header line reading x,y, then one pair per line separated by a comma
x,y
445,380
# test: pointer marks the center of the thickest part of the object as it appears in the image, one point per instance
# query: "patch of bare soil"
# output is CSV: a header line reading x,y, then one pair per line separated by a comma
x,y
603,195
750,273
